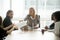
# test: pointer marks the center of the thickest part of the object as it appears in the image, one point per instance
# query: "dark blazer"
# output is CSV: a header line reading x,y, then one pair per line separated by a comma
x,y
7,22
52,26
2,33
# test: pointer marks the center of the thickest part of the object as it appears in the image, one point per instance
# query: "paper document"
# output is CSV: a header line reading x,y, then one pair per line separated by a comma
x,y
21,24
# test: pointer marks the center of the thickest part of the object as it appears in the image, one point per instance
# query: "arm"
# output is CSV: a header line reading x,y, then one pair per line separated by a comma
x,y
8,27
8,32
38,22
52,26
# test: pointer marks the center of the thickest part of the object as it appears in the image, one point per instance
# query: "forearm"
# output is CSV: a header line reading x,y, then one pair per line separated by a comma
x,y
10,30
8,27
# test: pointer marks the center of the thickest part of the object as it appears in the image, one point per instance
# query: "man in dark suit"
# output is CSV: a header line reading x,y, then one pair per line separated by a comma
x,y
7,21
4,31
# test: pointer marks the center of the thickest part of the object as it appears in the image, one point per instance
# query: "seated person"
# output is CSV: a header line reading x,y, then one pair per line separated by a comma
x,y
4,31
32,19
57,23
7,21
53,24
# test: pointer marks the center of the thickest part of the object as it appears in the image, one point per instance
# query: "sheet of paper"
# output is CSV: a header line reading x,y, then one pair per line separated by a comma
x,y
21,24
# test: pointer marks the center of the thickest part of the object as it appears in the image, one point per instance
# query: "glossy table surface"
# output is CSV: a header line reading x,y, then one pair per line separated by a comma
x,y
31,35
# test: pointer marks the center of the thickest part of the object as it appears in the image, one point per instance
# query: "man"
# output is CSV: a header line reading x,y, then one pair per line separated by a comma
x,y
7,21
4,31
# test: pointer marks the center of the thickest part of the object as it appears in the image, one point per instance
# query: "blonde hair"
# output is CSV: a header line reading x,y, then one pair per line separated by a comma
x,y
33,9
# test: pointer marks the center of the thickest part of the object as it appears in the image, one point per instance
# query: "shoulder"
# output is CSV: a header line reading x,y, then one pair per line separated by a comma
x,y
58,23
28,16
38,16
6,19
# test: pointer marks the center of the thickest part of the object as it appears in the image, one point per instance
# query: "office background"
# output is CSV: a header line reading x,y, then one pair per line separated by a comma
x,y
44,8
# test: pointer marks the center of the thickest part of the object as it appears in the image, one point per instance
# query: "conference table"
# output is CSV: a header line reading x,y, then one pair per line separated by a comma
x,y
35,34
31,35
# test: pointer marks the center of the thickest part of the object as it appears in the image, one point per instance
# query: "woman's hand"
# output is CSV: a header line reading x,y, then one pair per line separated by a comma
x,y
20,20
15,28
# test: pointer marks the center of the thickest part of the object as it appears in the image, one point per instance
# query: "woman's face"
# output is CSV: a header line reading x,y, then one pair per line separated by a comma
x,y
54,19
31,12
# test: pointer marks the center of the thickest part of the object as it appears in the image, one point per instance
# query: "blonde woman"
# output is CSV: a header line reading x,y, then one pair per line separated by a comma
x,y
32,19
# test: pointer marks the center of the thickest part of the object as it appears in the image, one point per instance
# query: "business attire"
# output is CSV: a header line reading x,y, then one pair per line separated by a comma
x,y
3,33
52,26
57,28
7,21
31,21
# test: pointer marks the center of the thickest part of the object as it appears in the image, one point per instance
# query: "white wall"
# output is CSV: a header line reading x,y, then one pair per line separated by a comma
x,y
4,7
18,7
45,8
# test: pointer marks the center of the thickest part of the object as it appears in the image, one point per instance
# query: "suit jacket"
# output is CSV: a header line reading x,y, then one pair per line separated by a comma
x,y
2,33
31,21
52,26
7,22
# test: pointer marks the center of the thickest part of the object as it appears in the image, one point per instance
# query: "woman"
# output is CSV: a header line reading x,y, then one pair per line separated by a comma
x,y
57,23
53,24
4,31
32,19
